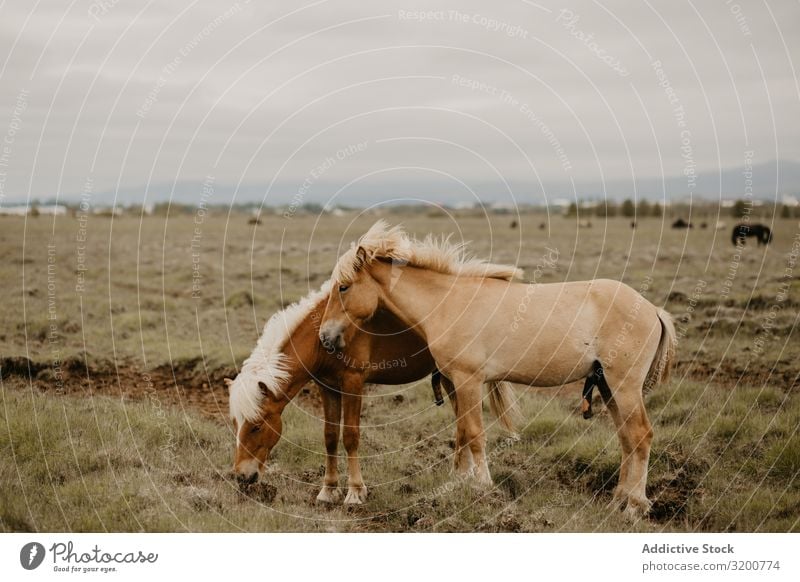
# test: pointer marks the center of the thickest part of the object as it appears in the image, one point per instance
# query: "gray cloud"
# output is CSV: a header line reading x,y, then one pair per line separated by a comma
x,y
473,92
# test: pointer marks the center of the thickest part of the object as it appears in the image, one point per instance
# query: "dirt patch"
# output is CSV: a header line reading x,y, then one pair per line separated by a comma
x,y
671,494
672,491
730,372
261,492
509,483
187,384
593,475
19,366
761,302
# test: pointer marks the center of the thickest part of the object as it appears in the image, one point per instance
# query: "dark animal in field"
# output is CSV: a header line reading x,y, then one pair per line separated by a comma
x,y
542,226
681,223
513,224
703,225
741,231
254,220
633,224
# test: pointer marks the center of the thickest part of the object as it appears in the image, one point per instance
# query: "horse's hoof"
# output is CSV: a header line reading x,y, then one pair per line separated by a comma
x,y
618,500
486,484
481,476
329,495
356,495
637,508
482,481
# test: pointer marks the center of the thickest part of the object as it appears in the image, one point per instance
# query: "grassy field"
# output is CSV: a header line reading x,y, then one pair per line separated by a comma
x,y
114,416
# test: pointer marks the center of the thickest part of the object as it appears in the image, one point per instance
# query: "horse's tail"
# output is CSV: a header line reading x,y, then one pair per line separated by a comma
x,y
665,354
504,405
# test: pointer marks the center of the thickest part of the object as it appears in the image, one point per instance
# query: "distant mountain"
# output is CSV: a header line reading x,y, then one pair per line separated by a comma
x,y
770,181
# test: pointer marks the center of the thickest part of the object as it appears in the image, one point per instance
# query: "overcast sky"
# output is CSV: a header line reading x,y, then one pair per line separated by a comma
x,y
117,94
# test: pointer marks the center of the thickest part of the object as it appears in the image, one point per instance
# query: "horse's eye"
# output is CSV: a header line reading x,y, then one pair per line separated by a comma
x,y
255,429
343,288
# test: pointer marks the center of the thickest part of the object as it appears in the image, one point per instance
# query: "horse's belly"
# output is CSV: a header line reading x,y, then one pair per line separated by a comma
x,y
541,366
547,347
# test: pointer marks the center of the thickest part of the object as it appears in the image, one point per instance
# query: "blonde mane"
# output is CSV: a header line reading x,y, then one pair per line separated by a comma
x,y
436,254
267,362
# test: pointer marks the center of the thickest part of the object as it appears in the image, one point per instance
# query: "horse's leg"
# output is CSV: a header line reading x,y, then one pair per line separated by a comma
x,y
635,435
469,422
620,491
463,463
332,406
352,388
462,459
620,497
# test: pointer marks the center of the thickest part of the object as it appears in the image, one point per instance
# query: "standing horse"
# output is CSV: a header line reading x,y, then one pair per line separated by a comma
x,y
741,231
486,330
289,355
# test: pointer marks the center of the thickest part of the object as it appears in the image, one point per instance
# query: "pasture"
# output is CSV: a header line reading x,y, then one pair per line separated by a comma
x,y
114,412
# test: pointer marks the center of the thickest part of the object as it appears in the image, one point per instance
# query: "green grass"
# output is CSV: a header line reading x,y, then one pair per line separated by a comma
x,y
102,464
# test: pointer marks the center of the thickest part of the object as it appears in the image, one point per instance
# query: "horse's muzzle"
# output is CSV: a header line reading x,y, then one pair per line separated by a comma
x,y
332,337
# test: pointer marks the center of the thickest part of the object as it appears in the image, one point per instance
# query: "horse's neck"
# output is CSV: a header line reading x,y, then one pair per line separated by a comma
x,y
413,294
302,350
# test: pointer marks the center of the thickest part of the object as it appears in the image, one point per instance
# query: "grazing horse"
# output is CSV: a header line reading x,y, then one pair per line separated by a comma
x,y
487,330
741,231
289,355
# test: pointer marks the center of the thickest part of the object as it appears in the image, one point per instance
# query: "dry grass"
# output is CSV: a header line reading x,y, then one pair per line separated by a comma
x,y
727,448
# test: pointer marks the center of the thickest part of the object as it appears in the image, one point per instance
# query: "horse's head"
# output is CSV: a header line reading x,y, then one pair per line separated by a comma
x,y
256,434
353,300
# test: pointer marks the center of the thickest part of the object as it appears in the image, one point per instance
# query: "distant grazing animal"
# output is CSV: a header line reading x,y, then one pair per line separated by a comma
x,y
721,225
289,355
703,225
681,223
513,224
254,220
741,231
633,224
585,224
542,225
478,333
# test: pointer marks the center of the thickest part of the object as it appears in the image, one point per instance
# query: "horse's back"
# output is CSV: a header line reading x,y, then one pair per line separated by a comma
x,y
558,330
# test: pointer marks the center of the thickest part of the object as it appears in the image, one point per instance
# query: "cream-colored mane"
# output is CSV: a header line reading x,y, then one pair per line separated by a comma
x,y
267,362
437,254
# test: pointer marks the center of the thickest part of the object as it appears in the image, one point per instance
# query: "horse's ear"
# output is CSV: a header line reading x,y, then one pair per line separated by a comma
x,y
266,392
228,383
361,258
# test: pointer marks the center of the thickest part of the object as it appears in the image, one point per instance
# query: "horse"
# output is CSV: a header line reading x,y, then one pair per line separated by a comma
x,y
741,231
288,355
490,330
